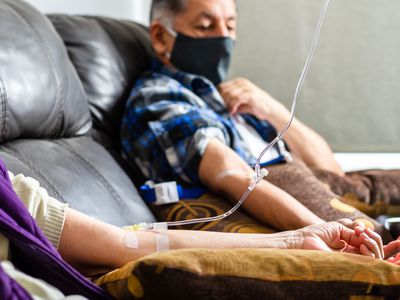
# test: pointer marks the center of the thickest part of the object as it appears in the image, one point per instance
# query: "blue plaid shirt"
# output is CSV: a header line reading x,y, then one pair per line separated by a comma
x,y
169,119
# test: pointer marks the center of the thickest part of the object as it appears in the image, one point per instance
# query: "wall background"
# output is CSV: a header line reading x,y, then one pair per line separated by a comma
x,y
123,9
351,95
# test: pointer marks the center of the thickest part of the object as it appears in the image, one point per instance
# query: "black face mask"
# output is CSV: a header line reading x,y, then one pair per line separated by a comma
x,y
208,57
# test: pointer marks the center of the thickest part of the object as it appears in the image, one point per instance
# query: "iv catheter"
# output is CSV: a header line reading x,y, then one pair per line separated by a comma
x,y
259,173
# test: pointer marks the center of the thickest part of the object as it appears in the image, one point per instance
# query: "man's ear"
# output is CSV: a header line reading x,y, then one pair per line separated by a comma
x,y
161,41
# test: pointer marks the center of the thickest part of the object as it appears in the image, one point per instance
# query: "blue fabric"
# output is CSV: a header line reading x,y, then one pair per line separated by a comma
x,y
169,118
32,253
149,194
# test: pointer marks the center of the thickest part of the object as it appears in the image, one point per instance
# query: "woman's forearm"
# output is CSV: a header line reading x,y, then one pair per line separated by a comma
x,y
95,247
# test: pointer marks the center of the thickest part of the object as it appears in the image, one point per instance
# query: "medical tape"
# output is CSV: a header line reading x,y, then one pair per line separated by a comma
x,y
231,172
162,239
131,239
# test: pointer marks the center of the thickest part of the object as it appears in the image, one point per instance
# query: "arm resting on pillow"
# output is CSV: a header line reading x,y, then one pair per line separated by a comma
x,y
94,247
268,203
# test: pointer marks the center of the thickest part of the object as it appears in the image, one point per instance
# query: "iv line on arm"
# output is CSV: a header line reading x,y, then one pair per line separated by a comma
x,y
259,173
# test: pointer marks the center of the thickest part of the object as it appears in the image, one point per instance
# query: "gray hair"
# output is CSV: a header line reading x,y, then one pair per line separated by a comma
x,y
166,10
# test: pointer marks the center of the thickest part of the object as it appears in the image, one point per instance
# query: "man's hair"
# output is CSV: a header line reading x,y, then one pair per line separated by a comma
x,y
166,10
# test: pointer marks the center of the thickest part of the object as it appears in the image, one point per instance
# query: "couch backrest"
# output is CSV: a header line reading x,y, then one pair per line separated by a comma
x,y
41,95
109,56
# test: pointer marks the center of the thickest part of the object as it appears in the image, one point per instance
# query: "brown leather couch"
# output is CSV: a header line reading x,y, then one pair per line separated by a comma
x,y
63,85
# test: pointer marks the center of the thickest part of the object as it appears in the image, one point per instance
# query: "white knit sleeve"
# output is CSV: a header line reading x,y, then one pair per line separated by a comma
x,y
48,212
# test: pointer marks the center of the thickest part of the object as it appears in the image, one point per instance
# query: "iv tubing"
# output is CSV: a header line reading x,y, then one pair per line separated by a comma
x,y
261,173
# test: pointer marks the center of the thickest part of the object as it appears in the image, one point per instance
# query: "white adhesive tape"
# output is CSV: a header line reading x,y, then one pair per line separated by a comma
x,y
162,240
231,172
131,239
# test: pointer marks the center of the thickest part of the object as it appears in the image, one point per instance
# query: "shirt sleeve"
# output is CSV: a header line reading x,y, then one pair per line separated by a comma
x,y
48,212
167,139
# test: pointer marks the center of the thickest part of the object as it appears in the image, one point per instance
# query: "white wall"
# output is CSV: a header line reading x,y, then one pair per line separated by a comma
x,y
351,94
137,10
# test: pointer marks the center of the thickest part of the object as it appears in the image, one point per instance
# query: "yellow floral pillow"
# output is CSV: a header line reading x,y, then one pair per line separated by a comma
x,y
253,274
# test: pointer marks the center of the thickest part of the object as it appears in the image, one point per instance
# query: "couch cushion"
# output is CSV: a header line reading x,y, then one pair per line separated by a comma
x,y
206,206
40,93
109,56
374,192
80,172
253,274
299,181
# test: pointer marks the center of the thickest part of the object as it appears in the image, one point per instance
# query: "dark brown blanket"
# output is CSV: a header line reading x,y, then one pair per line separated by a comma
x,y
329,196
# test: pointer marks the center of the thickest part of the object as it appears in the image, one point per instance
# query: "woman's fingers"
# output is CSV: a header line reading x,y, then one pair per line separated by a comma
x,y
366,251
368,240
378,239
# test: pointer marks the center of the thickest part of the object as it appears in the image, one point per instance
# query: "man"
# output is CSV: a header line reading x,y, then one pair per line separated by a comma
x,y
183,122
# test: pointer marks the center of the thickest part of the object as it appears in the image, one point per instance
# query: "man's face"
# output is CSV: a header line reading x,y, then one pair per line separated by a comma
x,y
207,18
199,19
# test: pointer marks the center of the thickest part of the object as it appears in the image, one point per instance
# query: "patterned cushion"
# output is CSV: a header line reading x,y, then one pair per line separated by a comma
x,y
300,182
295,178
374,192
207,206
253,274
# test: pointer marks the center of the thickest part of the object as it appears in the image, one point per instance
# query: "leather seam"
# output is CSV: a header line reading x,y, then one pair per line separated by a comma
x,y
94,171
41,178
60,100
3,97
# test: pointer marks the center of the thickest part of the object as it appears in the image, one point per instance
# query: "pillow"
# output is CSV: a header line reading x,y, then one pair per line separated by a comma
x,y
253,274
374,192
294,177
207,206
300,182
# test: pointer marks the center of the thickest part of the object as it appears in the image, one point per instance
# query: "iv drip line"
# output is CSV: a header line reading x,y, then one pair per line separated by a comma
x,y
259,173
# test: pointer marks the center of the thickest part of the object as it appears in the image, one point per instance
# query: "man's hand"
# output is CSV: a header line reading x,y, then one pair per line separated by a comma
x,y
334,236
392,252
242,96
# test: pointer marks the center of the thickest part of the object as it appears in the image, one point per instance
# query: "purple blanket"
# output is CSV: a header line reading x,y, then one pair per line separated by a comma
x,y
32,253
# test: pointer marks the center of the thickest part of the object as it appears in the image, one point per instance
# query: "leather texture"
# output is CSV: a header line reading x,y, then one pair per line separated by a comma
x,y
109,56
45,117
41,95
80,172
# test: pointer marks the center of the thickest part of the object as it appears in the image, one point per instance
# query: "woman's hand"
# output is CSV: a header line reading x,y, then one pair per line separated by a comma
x,y
334,236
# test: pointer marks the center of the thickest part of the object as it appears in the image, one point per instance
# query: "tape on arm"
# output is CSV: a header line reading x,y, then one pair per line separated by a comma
x,y
131,239
231,172
162,239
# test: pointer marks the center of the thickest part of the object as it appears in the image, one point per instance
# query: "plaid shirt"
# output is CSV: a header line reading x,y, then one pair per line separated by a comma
x,y
169,119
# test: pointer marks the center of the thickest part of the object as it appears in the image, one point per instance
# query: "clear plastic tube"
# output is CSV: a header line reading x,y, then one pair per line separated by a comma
x,y
259,173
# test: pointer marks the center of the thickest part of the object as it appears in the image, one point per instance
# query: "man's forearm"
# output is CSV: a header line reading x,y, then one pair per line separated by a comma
x,y
306,143
267,203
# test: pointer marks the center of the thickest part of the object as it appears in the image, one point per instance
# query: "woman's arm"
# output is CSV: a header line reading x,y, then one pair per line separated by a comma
x,y
94,247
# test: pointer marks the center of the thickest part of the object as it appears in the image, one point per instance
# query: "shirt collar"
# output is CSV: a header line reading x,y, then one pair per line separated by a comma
x,y
193,82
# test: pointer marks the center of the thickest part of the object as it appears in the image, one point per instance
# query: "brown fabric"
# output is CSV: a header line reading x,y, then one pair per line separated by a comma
x,y
206,206
295,178
300,182
253,274
375,192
